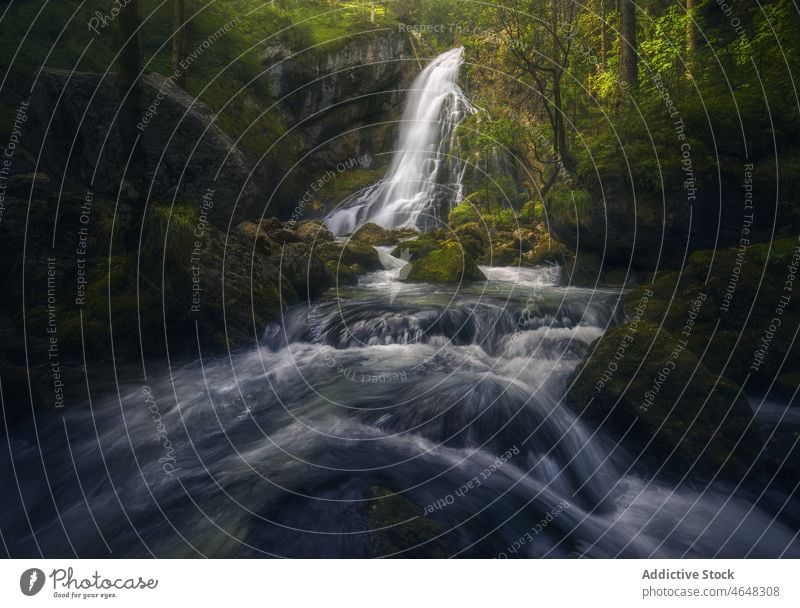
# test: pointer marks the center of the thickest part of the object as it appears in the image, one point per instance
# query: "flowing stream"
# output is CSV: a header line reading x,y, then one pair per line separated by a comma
x,y
415,389
424,179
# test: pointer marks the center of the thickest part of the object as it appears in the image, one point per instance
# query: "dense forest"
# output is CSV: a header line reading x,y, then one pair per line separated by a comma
x,y
576,223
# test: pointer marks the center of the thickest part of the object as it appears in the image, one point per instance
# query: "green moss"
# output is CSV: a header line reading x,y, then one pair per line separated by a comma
x,y
449,264
676,405
737,319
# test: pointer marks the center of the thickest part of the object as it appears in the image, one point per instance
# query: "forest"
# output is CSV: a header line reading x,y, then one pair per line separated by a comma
x,y
400,278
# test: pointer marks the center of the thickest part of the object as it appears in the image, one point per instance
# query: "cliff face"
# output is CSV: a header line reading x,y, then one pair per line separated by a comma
x,y
342,99
333,105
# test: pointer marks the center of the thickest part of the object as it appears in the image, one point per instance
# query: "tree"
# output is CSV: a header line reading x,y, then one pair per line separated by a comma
x,y
604,41
628,53
691,34
129,67
538,39
178,33
129,55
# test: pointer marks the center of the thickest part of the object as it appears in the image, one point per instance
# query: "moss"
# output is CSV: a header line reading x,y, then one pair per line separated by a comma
x,y
342,274
372,234
660,396
400,526
466,212
737,319
449,264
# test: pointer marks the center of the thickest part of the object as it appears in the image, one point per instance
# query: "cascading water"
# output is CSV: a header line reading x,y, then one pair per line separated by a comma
x,y
443,397
425,174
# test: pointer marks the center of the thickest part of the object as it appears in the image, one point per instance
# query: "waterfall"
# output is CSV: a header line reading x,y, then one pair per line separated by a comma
x,y
425,175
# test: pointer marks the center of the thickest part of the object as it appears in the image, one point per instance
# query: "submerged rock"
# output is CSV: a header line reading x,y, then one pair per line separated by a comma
x,y
401,529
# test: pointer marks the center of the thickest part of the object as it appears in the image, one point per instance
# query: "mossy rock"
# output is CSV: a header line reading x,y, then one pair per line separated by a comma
x,y
503,254
416,249
671,418
372,234
466,212
449,264
350,253
313,232
547,250
343,274
401,528
742,290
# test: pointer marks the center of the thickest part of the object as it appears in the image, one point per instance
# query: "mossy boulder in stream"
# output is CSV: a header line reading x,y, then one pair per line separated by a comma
x,y
448,263
373,234
642,386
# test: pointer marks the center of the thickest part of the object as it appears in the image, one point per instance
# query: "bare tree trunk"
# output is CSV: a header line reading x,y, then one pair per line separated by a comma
x,y
628,57
178,34
559,131
604,41
129,42
129,67
691,34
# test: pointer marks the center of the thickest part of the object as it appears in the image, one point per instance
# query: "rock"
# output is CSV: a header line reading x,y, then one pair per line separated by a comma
x,y
282,236
372,234
343,94
416,249
252,232
449,264
741,291
313,232
181,147
305,271
674,403
401,528
343,274
350,253
474,238
503,254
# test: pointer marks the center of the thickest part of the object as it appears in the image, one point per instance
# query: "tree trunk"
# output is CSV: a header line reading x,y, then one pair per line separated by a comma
x,y
604,42
178,34
628,57
129,66
691,33
129,42
559,131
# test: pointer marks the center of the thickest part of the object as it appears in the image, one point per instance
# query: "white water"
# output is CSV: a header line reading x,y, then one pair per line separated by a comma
x,y
276,447
425,173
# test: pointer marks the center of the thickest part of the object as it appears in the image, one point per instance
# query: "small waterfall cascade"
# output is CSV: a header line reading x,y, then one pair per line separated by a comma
x,y
424,178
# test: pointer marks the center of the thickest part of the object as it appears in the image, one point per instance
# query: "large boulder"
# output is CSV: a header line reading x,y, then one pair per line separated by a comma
x,y
182,153
446,264
641,385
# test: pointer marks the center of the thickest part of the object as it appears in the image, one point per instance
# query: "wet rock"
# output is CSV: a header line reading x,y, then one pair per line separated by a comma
x,y
669,408
313,232
401,528
448,264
